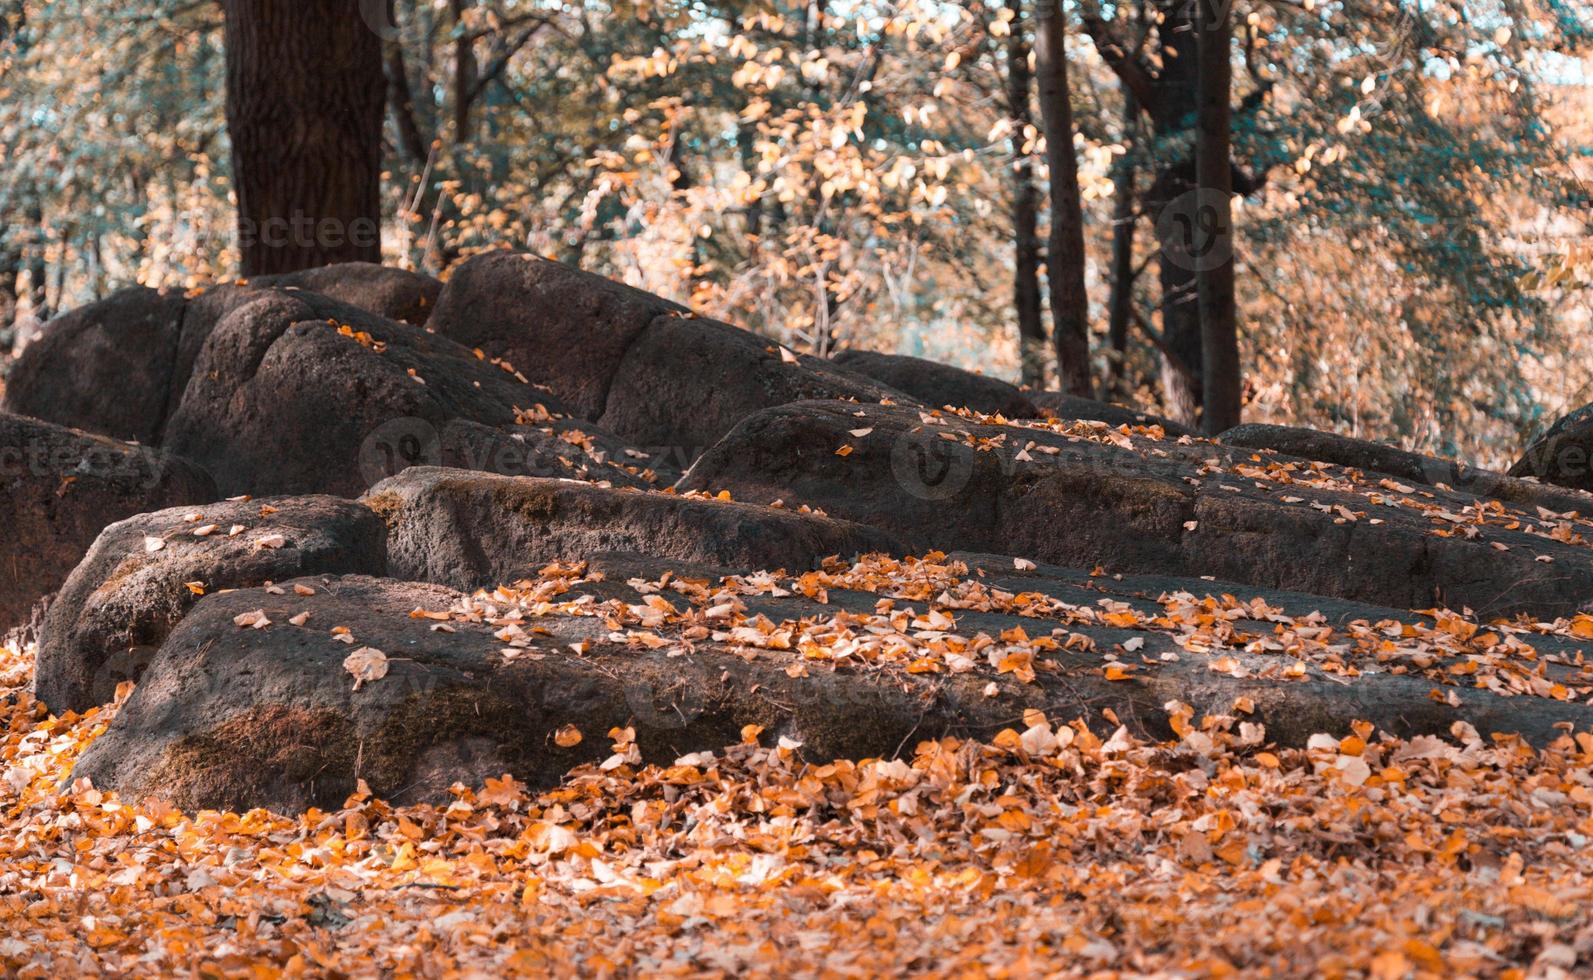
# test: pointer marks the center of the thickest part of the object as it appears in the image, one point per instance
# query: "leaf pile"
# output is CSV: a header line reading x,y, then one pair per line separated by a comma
x,y
1049,849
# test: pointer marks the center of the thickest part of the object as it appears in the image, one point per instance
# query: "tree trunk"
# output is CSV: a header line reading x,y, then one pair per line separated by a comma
x,y
1070,308
465,72
10,294
1172,122
1121,304
1025,206
305,94
1214,172
38,271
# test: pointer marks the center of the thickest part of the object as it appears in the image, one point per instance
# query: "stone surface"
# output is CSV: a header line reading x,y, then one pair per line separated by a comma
x,y
687,381
294,393
105,368
234,716
143,574
561,327
1375,457
1058,405
1084,494
119,367
653,373
1564,455
473,529
58,489
939,384
397,294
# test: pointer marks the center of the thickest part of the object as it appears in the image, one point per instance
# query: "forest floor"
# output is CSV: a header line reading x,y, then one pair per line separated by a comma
x,y
1048,850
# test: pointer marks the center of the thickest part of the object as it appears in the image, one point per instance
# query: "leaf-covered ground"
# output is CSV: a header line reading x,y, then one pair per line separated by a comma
x,y
1049,850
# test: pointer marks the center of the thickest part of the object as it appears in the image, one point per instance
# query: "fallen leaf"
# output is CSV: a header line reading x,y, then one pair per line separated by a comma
x,y
567,737
366,664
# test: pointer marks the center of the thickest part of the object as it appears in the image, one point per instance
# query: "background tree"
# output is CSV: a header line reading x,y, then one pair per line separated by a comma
x,y
1065,258
1025,200
1219,331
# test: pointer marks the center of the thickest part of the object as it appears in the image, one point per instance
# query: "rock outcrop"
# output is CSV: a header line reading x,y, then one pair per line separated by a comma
x,y
293,393
143,575
288,698
649,370
1084,494
475,529
1564,454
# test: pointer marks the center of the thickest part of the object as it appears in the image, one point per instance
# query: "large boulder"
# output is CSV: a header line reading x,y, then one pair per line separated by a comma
x,y
105,367
687,381
561,327
119,367
293,393
934,383
466,529
58,489
143,575
651,371
288,698
1055,404
397,294
1084,494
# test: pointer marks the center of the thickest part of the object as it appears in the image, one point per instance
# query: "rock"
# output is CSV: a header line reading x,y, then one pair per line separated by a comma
x,y
1374,457
434,688
58,489
686,381
1085,494
294,393
119,367
1057,405
1343,450
118,606
105,367
649,370
465,529
1564,455
940,384
561,327
396,294
558,448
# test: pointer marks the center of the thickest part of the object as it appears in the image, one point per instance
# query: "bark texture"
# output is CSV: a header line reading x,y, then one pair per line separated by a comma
x,y
1219,330
305,96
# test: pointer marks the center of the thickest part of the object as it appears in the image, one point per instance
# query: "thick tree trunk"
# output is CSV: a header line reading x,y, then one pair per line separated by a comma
x,y
1120,307
305,94
1070,307
1025,206
1214,172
